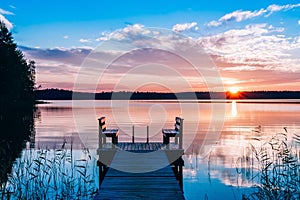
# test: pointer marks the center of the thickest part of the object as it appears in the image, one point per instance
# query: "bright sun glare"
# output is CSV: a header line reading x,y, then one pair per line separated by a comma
x,y
233,90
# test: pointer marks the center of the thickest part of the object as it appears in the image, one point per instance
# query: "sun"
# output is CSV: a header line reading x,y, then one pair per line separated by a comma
x,y
233,90
234,93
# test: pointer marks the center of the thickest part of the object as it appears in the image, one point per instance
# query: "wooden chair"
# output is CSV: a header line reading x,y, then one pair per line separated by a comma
x,y
104,132
176,132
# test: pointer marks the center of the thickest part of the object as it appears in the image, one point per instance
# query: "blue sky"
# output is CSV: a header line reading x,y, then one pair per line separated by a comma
x,y
274,27
35,20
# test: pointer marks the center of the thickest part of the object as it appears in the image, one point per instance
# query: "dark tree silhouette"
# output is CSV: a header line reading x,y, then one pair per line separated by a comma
x,y
17,75
17,82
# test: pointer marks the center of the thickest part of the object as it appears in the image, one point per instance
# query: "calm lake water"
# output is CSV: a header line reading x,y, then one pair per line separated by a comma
x,y
216,134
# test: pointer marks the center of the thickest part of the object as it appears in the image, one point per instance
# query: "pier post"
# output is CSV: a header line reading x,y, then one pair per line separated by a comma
x,y
147,134
133,134
99,137
102,171
177,169
181,134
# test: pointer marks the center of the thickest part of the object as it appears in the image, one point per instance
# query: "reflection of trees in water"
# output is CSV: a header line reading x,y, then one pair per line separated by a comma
x,y
57,109
16,126
43,173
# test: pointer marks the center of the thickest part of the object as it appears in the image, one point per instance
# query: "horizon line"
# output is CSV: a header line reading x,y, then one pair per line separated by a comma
x,y
241,91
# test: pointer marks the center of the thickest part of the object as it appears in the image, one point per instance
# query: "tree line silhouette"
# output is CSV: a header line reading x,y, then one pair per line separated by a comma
x,y
17,75
60,94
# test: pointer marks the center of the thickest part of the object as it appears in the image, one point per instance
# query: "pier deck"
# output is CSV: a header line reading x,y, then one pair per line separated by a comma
x,y
141,171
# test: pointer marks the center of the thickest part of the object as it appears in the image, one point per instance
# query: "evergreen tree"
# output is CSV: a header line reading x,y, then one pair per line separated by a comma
x,y
17,76
17,81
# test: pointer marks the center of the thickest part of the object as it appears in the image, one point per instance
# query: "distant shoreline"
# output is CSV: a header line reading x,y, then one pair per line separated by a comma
x,y
41,102
58,94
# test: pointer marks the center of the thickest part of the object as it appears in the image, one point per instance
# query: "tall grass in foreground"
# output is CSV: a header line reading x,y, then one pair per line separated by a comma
x,y
50,174
278,168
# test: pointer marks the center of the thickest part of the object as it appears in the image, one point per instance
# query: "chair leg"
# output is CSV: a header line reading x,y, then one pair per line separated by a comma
x,y
166,139
176,139
114,140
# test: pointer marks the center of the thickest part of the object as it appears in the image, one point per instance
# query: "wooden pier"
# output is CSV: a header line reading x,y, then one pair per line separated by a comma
x,y
140,170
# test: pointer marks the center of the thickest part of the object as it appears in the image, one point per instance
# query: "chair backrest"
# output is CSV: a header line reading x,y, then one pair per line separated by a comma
x,y
177,124
179,128
102,125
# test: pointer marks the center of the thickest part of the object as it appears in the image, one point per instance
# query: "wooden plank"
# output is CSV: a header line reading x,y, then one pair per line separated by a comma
x,y
138,162
158,173
140,174
153,146
136,187
139,195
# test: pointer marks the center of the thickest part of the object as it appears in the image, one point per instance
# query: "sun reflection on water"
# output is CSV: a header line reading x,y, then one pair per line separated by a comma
x,y
234,110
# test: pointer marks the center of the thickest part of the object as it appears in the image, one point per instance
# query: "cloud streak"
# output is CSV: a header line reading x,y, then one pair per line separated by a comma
x,y
84,41
276,8
5,12
8,24
239,15
185,27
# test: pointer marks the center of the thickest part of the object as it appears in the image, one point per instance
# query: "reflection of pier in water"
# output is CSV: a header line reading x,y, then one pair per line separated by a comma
x,y
140,170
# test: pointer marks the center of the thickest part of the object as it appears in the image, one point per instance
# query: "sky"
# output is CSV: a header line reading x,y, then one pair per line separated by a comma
x,y
248,44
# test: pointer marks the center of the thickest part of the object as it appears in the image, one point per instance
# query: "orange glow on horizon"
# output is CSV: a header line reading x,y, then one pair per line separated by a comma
x,y
234,93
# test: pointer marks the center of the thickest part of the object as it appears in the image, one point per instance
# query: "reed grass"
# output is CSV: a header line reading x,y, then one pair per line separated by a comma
x,y
51,174
277,163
